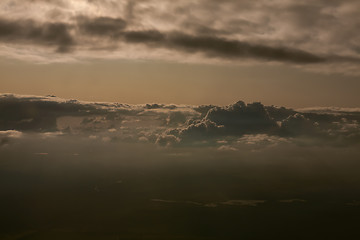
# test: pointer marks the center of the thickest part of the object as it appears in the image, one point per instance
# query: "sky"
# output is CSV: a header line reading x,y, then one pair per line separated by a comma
x,y
192,119
281,52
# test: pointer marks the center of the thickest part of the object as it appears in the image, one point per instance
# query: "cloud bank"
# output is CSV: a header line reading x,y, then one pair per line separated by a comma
x,y
224,127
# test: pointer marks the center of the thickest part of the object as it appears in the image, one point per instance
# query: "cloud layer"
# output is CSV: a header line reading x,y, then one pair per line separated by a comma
x,y
317,34
73,169
178,125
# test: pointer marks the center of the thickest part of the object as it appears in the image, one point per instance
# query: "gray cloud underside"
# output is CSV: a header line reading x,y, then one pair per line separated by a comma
x,y
27,31
304,33
175,124
62,37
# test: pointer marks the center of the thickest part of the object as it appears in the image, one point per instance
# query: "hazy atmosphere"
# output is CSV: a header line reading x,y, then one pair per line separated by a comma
x,y
157,119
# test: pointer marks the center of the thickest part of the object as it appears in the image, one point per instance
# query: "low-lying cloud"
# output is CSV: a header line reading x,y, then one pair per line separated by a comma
x,y
224,127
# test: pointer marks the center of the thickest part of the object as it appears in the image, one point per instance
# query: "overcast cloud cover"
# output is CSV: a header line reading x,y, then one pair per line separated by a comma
x,y
315,35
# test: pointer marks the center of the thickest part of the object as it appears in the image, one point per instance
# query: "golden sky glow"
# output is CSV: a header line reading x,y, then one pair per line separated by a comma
x,y
282,52
154,81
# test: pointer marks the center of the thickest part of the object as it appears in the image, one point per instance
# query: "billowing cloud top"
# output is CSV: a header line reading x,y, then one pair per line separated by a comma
x,y
307,33
176,125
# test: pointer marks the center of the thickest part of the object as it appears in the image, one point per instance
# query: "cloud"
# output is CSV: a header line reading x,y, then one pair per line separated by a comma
x,y
199,130
176,118
329,110
7,136
241,118
298,124
41,113
226,148
260,126
220,47
279,113
233,120
261,140
30,32
312,35
167,140
101,26
147,37
225,128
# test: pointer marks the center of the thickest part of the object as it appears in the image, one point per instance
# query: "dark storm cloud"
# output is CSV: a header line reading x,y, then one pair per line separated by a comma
x,y
58,34
220,47
211,46
28,31
65,36
101,26
303,33
146,37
